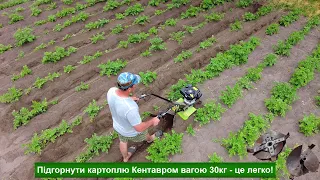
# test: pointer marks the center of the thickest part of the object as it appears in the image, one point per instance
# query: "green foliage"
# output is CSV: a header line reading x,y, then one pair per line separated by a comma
x,y
156,2
118,29
42,45
58,54
190,130
19,9
208,4
134,10
245,83
120,16
112,67
157,44
67,36
215,158
270,59
111,4
40,22
25,71
171,22
191,29
231,95
290,18
141,20
236,26
252,129
159,12
191,12
82,87
310,125
51,6
197,76
88,59
160,149
282,48
95,145
146,53
264,10
82,16
24,36
145,115
282,94
147,77
11,3
15,17
248,16
4,48
210,110
183,56
153,30
12,95
67,2
177,36
97,24
177,3
93,109
39,142
137,38
207,43
23,116
65,12
244,3
97,37
123,44
214,16
317,99
39,83
35,11
254,74
68,69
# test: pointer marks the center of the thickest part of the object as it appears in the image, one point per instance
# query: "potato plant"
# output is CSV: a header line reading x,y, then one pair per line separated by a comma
x,y
177,36
68,69
215,158
183,56
15,17
134,10
214,16
210,111
236,26
35,11
82,87
97,24
190,130
309,125
25,71
23,116
96,145
142,20
192,29
112,67
111,4
40,82
171,22
290,18
148,77
192,11
206,43
157,44
40,141
244,3
118,29
24,36
97,37
12,95
160,149
93,109
58,54
88,59
4,48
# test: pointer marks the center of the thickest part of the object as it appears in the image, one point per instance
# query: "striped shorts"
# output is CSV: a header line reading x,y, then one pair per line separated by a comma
x,y
138,138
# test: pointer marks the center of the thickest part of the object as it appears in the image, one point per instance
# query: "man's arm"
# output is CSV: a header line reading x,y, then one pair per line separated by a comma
x,y
145,125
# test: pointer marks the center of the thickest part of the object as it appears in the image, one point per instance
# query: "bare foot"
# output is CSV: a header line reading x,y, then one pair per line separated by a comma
x,y
131,151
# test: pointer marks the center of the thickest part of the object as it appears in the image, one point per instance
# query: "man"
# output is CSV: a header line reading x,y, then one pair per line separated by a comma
x,y
125,114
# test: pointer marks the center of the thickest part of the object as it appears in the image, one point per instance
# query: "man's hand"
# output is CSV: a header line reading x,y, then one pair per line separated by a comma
x,y
135,98
155,121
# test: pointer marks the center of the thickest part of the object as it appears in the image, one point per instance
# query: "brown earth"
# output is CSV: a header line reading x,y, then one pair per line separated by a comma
x,y
15,165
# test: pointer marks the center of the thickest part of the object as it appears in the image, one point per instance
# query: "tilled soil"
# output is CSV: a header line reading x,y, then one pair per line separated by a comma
x,y
15,165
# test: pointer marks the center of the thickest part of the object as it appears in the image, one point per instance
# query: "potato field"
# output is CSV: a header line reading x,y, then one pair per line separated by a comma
x,y
257,65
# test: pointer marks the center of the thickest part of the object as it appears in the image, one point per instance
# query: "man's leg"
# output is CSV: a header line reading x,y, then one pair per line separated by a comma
x,y
124,151
150,138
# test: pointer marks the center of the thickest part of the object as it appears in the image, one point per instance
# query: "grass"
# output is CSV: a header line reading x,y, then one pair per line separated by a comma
x,y
310,7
